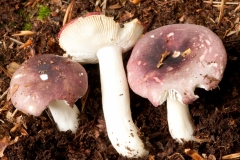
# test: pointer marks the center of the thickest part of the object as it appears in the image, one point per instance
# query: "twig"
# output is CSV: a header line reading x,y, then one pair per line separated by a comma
x,y
221,11
104,6
178,155
84,99
5,71
4,94
49,115
24,33
232,156
16,41
215,2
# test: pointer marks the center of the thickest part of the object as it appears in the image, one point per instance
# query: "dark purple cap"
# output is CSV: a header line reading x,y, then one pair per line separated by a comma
x,y
45,78
177,57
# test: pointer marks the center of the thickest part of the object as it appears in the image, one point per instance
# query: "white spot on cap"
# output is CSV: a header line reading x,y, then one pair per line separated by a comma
x,y
139,62
214,65
170,34
202,57
26,98
30,108
169,69
44,77
19,75
208,42
152,36
157,79
176,54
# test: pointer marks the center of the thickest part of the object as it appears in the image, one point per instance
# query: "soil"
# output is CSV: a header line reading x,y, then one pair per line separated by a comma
x,y
215,113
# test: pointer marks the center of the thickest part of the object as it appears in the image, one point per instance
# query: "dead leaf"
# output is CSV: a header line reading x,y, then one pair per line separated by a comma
x,y
4,142
5,107
32,3
123,2
231,156
12,67
3,95
115,6
126,16
151,157
237,8
23,132
68,14
17,125
57,2
10,116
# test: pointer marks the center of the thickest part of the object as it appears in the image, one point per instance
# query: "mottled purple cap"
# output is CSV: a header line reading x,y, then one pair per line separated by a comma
x,y
177,57
45,78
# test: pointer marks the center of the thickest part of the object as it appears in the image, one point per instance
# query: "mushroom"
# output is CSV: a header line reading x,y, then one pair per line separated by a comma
x,y
168,63
97,38
50,81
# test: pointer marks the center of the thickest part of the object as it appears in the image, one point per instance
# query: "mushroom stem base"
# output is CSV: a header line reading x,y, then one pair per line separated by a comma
x,y
179,120
116,104
65,116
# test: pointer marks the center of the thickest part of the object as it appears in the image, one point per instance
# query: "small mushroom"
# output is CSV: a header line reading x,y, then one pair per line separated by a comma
x,y
50,81
168,63
97,38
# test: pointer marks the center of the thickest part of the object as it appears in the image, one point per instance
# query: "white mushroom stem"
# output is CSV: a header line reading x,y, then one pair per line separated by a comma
x,y
116,104
179,119
65,116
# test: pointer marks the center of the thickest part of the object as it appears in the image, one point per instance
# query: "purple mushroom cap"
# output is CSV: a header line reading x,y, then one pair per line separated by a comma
x,y
45,78
177,57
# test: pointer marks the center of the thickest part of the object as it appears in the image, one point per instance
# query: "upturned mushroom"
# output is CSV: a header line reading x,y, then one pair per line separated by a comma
x,y
168,63
50,81
97,38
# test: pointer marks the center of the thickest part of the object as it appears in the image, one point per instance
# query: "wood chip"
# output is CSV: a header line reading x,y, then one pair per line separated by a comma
x,y
135,1
164,55
193,154
28,43
186,52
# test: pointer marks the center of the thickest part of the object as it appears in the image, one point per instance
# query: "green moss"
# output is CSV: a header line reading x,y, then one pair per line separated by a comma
x,y
22,13
26,19
27,26
43,12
